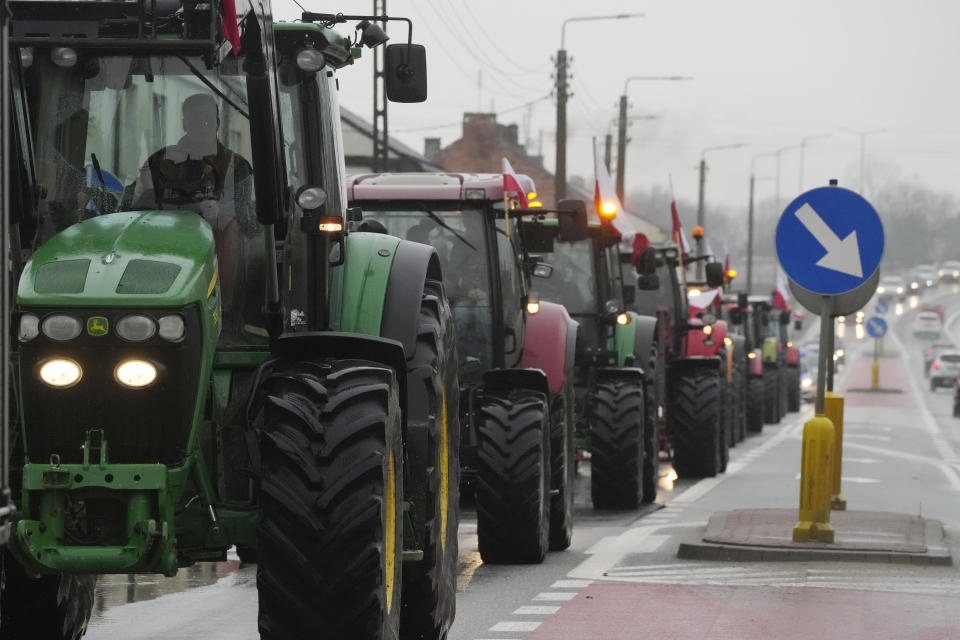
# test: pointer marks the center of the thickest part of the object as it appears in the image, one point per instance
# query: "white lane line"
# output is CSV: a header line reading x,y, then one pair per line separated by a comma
x,y
571,584
535,610
556,596
515,626
865,436
953,478
861,460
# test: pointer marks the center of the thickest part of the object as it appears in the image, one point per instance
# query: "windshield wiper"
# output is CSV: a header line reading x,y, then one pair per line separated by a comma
x,y
213,87
443,224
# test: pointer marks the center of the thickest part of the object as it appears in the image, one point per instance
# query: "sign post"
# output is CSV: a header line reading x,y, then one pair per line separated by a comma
x,y
829,242
876,329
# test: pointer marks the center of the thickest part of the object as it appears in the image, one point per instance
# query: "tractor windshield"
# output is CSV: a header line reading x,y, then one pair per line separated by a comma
x,y
119,133
572,283
457,231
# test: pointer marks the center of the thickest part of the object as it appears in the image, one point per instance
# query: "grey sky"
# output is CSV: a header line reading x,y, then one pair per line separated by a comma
x,y
766,73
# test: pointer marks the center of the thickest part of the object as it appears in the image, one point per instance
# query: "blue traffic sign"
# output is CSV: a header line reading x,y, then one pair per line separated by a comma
x,y
882,307
829,240
876,327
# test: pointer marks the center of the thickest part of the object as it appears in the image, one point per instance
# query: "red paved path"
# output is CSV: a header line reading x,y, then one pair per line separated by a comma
x,y
893,375
678,612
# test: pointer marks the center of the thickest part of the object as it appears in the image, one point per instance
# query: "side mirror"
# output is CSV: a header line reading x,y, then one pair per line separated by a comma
x,y
572,220
784,318
647,262
736,316
798,325
406,72
648,282
714,272
537,238
629,296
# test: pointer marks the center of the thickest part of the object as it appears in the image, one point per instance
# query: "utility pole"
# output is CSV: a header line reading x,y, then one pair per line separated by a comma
x,y
863,155
750,238
608,142
700,201
621,146
380,135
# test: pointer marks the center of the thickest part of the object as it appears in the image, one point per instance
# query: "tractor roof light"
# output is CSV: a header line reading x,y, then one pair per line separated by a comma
x,y
731,274
697,232
608,210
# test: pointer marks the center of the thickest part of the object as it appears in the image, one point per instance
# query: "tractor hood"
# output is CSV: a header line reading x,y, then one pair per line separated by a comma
x,y
138,259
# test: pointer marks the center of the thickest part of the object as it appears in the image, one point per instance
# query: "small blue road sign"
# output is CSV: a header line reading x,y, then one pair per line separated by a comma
x,y
882,307
876,327
829,240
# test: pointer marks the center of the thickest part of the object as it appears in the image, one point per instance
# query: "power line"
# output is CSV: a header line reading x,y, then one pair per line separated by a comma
x,y
457,124
542,69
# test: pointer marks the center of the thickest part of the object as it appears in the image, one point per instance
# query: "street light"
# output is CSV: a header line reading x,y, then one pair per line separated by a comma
x,y
863,147
803,145
622,128
753,172
560,184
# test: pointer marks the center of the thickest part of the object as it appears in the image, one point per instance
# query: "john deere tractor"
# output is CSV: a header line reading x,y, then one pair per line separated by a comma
x,y
208,355
616,368
516,351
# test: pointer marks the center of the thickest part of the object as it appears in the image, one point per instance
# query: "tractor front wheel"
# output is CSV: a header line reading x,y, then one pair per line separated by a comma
x,y
651,443
696,423
755,404
513,478
771,396
56,607
793,389
617,447
562,468
331,500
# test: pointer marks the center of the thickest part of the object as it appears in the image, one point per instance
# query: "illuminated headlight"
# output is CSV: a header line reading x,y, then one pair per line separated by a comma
x,y
61,373
136,328
728,341
859,316
940,273
752,355
693,291
880,289
899,289
623,319
310,60
956,274
61,327
29,327
914,285
806,382
171,328
840,353
135,374
707,329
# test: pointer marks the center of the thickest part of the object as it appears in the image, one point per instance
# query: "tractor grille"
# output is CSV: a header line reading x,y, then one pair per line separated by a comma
x,y
146,425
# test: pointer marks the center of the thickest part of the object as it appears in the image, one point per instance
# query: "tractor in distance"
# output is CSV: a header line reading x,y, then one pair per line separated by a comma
x,y
516,352
781,361
747,321
207,355
7,507
617,366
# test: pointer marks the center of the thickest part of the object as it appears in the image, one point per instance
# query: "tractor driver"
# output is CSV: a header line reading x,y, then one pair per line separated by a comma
x,y
200,174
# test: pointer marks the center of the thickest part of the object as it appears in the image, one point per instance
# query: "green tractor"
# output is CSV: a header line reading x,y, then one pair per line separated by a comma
x,y
6,501
617,389
208,354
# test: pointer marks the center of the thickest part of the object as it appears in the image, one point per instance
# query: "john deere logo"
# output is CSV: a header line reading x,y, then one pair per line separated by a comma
x,y
97,326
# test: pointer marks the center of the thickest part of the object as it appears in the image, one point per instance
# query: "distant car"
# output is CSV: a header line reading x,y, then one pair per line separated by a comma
x,y
930,354
892,287
950,271
945,370
808,379
927,324
936,308
914,282
839,353
927,274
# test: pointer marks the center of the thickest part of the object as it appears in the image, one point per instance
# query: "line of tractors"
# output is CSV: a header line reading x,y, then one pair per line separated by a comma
x,y
220,340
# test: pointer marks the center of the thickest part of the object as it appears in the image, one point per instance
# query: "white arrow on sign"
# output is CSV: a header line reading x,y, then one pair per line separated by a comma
x,y
842,255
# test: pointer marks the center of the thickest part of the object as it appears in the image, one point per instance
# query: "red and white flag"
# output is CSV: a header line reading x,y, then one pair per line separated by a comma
x,y
677,234
510,183
228,14
605,195
781,293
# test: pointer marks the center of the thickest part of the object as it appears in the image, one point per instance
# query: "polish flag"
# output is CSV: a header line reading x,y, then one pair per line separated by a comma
x,y
678,236
781,293
510,183
228,14
604,191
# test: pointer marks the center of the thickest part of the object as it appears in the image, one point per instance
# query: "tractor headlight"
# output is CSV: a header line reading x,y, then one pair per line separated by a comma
x,y
136,328
60,373
623,319
899,289
612,306
310,60
806,382
29,327
61,327
171,327
135,374
752,355
707,329
311,198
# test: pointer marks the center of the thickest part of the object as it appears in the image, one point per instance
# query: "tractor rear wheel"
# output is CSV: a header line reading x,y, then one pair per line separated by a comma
x,y
793,389
771,396
617,447
513,478
695,423
56,607
430,585
331,501
562,468
755,404
740,379
651,443
782,377
725,422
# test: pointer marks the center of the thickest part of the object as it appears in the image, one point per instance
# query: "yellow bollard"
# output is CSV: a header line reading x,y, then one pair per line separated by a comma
x,y
833,409
875,377
815,481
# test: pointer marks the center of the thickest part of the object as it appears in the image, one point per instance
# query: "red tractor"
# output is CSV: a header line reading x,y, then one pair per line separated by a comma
x,y
516,353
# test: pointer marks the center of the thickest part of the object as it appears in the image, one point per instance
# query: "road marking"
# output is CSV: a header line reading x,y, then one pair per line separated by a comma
x,y
558,596
857,480
861,460
953,478
515,626
866,436
535,610
571,584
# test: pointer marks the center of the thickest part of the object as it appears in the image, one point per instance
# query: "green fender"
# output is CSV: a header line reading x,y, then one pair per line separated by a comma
x,y
625,342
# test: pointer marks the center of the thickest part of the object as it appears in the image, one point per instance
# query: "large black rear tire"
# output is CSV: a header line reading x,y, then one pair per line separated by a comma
x,y
617,448
54,607
771,395
695,423
331,497
429,597
793,389
513,478
651,442
725,421
755,404
562,468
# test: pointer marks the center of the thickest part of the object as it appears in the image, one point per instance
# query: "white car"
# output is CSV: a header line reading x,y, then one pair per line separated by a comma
x,y
945,370
927,324
950,271
892,287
